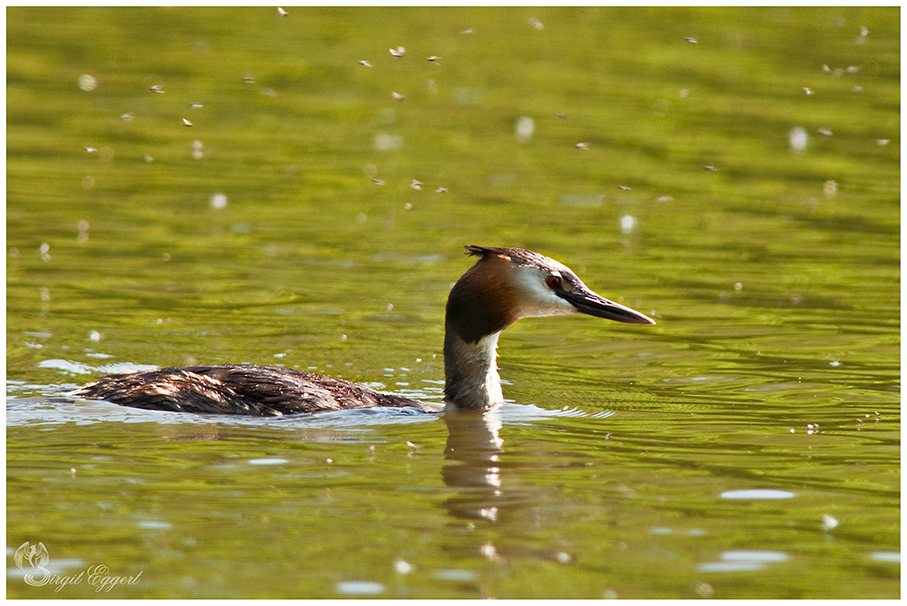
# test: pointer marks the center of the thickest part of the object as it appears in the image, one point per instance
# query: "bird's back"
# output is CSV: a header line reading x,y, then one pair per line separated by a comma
x,y
239,389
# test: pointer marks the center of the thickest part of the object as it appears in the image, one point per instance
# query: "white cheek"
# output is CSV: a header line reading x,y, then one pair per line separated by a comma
x,y
538,300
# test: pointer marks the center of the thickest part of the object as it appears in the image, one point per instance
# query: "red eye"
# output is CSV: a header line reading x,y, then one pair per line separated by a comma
x,y
553,282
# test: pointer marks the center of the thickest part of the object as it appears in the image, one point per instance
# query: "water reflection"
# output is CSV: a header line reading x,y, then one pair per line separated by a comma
x,y
473,449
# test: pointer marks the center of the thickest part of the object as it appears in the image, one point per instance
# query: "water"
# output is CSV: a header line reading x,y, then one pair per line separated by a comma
x,y
699,165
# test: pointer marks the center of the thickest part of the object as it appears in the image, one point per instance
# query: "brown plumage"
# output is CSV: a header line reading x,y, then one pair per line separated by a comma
x,y
239,389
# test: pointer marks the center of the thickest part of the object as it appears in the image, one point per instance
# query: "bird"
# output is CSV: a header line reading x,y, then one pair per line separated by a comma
x,y
503,286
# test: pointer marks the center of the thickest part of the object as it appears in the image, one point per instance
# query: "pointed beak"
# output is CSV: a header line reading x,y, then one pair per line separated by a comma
x,y
595,305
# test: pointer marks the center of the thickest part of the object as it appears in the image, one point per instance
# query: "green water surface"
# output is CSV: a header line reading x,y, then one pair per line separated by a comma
x,y
210,185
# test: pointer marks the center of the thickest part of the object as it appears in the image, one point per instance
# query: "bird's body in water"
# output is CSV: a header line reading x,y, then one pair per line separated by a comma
x,y
506,284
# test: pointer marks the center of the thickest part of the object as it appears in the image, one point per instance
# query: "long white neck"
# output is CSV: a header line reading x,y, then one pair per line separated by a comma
x,y
471,372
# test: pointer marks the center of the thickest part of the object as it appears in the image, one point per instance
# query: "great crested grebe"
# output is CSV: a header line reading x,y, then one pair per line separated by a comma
x,y
504,285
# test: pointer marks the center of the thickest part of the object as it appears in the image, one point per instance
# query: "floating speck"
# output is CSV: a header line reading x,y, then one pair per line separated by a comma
x,y
154,525
282,12
885,556
94,336
525,128
198,150
882,142
468,31
87,82
744,560
757,494
267,461
738,286
704,590
536,24
627,224
387,142
450,574
754,555
218,201
403,567
830,189
359,588
797,139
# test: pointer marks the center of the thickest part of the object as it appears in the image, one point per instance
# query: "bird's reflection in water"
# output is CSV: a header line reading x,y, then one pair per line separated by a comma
x,y
472,453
